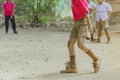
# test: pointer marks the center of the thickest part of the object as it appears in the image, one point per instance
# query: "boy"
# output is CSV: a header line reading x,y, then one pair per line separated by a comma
x,y
78,34
9,12
103,14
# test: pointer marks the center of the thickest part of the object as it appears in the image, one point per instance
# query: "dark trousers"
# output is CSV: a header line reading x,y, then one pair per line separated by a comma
x,y
7,18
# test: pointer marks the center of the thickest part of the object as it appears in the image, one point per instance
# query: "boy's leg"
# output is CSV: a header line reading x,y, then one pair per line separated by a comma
x,y
92,38
81,45
13,25
96,61
71,44
99,35
107,32
88,35
71,67
6,23
106,29
93,34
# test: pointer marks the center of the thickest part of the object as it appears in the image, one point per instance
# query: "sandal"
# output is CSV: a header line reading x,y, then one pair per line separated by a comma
x,y
69,68
93,39
108,41
96,65
96,41
69,71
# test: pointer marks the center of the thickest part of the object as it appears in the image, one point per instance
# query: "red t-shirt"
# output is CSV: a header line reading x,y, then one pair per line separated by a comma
x,y
79,9
8,8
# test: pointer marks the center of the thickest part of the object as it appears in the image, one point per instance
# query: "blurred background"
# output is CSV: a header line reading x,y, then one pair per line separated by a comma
x,y
38,13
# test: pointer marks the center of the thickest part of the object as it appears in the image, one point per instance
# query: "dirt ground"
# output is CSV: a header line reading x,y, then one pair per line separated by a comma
x,y
40,55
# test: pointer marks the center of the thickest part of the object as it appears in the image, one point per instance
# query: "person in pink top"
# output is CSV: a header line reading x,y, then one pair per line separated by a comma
x,y
9,11
78,34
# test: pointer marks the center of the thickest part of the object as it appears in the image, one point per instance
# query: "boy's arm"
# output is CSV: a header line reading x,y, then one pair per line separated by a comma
x,y
14,11
90,28
109,10
109,14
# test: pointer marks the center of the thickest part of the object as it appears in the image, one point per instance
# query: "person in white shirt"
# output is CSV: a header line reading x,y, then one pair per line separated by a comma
x,y
91,6
103,14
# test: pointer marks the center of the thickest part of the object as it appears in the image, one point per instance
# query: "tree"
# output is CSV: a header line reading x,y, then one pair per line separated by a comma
x,y
35,10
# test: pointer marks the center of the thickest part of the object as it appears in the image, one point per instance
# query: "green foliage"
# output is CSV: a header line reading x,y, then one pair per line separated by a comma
x,y
29,9
45,19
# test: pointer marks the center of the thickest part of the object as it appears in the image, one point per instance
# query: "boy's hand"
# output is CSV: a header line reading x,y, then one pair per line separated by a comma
x,y
108,18
11,17
90,28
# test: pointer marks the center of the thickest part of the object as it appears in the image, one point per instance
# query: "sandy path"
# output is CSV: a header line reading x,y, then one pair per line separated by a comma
x,y
33,55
